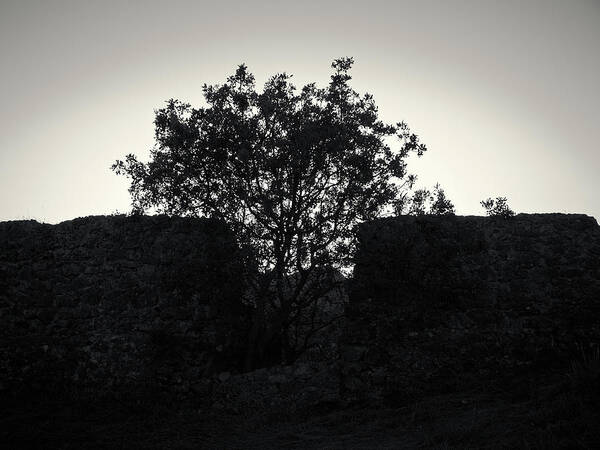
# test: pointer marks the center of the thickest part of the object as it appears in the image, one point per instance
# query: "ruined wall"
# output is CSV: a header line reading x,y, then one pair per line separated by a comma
x,y
108,304
120,304
439,303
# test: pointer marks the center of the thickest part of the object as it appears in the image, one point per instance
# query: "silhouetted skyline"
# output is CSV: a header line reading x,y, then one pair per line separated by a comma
x,y
504,95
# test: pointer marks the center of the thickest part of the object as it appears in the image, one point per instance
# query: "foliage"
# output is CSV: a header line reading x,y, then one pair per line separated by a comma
x,y
424,202
497,208
292,172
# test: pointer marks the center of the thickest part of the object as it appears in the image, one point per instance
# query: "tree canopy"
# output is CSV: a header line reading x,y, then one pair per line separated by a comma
x,y
423,201
497,207
291,171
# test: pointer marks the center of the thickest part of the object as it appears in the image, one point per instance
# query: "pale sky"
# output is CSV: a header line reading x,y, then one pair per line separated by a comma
x,y
505,94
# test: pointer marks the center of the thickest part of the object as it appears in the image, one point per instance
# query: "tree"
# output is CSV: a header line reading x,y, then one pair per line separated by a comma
x,y
292,172
424,201
497,208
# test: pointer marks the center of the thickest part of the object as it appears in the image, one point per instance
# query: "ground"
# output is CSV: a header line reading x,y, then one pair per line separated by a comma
x,y
547,414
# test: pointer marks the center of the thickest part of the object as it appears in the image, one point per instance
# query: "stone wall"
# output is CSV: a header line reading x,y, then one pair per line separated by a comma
x,y
103,305
114,304
440,303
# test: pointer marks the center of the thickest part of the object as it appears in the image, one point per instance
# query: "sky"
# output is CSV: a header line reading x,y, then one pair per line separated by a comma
x,y
505,94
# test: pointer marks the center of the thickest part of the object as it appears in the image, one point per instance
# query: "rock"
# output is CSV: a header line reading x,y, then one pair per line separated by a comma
x,y
277,379
224,376
353,352
302,371
200,388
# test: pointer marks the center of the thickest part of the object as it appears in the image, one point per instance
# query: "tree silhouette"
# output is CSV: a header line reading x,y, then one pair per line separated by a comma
x,y
292,172
424,202
497,207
